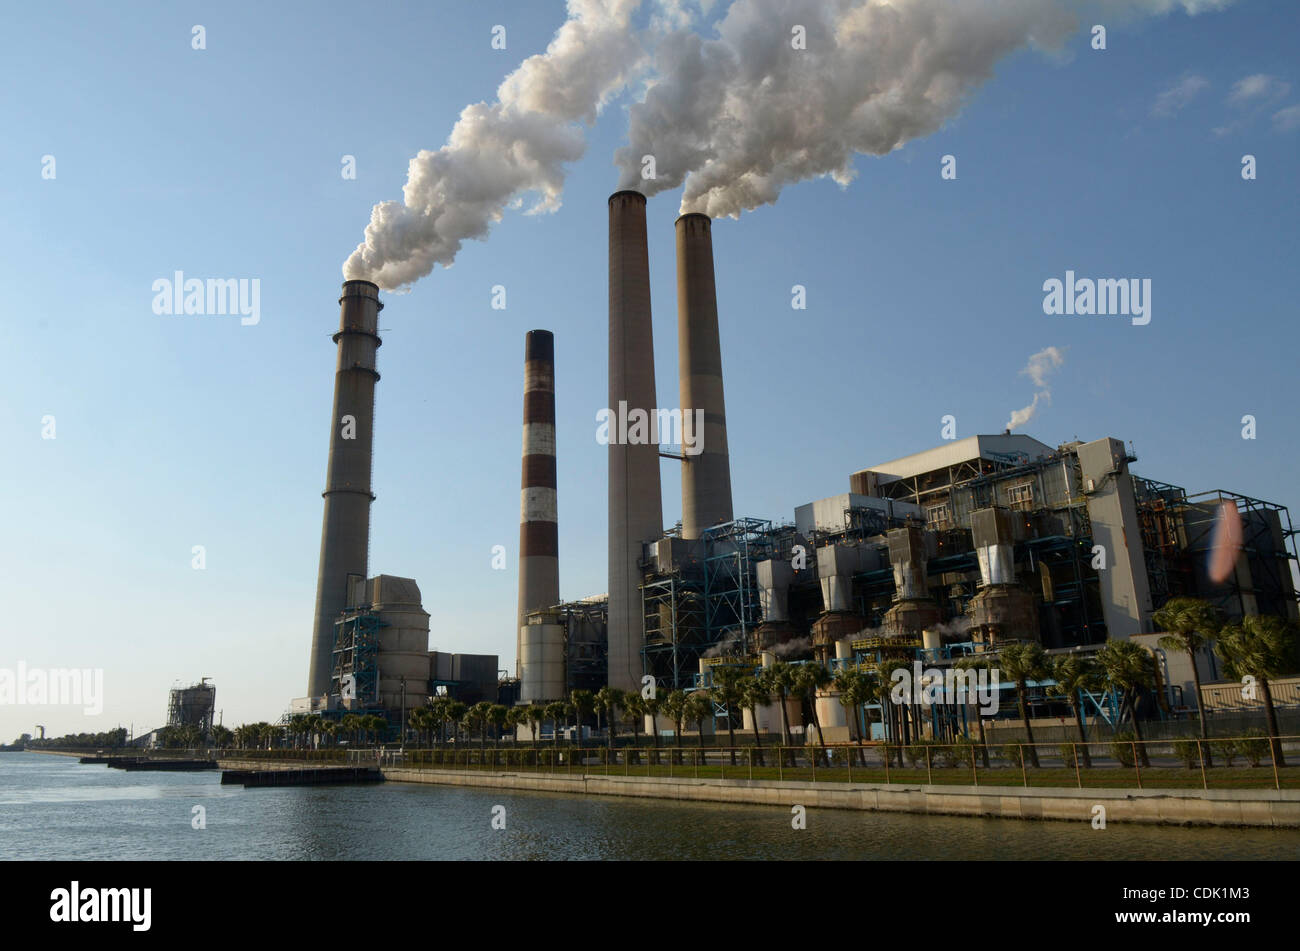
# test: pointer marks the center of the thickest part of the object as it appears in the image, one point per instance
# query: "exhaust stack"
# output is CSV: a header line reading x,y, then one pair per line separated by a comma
x,y
706,476
539,565
635,496
345,531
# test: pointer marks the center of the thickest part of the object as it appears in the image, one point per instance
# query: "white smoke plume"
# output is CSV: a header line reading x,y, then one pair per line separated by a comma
x,y
797,645
1039,367
499,152
735,117
739,117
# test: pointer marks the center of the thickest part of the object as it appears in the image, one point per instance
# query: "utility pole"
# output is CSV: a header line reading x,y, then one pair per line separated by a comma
x,y
402,745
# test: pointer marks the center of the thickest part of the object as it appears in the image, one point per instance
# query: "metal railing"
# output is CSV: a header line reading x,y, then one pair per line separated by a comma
x,y
1246,762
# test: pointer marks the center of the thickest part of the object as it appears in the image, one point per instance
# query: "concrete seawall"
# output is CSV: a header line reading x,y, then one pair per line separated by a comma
x,y
1218,807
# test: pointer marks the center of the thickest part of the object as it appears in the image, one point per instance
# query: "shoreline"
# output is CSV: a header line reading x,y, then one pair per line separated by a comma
x,y
1242,808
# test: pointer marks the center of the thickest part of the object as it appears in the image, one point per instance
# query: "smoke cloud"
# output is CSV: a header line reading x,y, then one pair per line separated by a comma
x,y
785,90
1038,369
499,152
737,118
796,645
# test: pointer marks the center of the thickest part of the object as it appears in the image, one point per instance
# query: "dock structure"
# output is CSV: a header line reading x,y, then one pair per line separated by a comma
x,y
307,776
148,763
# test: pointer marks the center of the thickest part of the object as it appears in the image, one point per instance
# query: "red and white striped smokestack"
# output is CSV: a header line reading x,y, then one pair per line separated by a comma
x,y
345,532
706,473
635,498
539,563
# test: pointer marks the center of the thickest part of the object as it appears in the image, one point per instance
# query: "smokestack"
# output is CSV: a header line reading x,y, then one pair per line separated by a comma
x,y
635,499
706,476
345,531
539,565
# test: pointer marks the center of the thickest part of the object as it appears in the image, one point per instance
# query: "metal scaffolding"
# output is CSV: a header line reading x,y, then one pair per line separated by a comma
x,y
731,601
192,706
673,607
1263,583
356,655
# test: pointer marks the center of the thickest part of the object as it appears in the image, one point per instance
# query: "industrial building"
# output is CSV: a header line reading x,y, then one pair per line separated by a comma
x,y
370,635
941,553
946,551
191,706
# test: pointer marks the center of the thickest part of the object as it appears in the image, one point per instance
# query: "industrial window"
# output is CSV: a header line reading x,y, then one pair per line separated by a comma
x,y
938,516
1021,496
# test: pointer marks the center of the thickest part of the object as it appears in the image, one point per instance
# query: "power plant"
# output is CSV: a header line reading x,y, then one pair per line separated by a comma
x,y
936,555
370,636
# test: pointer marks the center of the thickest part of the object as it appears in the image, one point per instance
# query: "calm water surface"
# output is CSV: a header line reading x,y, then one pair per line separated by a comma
x,y
51,807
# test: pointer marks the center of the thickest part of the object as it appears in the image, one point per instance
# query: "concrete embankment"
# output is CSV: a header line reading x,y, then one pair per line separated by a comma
x,y
1220,807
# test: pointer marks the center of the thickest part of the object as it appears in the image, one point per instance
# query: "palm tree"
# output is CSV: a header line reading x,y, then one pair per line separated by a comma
x,y
1074,673
778,679
696,709
1021,662
755,694
634,712
349,725
1129,669
415,720
608,699
729,691
517,718
854,690
808,680
650,707
674,707
978,662
456,711
1192,625
221,736
556,712
534,714
1263,647
498,715
584,705
480,715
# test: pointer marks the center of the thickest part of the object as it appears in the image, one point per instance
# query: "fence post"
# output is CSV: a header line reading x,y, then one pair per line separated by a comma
x,y
1137,764
850,752
1200,752
929,778
780,763
812,758
886,749
1078,776
975,776
1024,774
1274,744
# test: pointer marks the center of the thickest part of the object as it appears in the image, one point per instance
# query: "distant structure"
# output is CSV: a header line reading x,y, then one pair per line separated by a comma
x,y
191,706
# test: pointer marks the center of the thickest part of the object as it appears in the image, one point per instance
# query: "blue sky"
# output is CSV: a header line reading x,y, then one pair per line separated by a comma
x,y
924,299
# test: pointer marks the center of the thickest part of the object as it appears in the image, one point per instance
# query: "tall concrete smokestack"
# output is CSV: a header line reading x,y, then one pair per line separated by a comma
x,y
706,475
635,498
345,532
539,564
